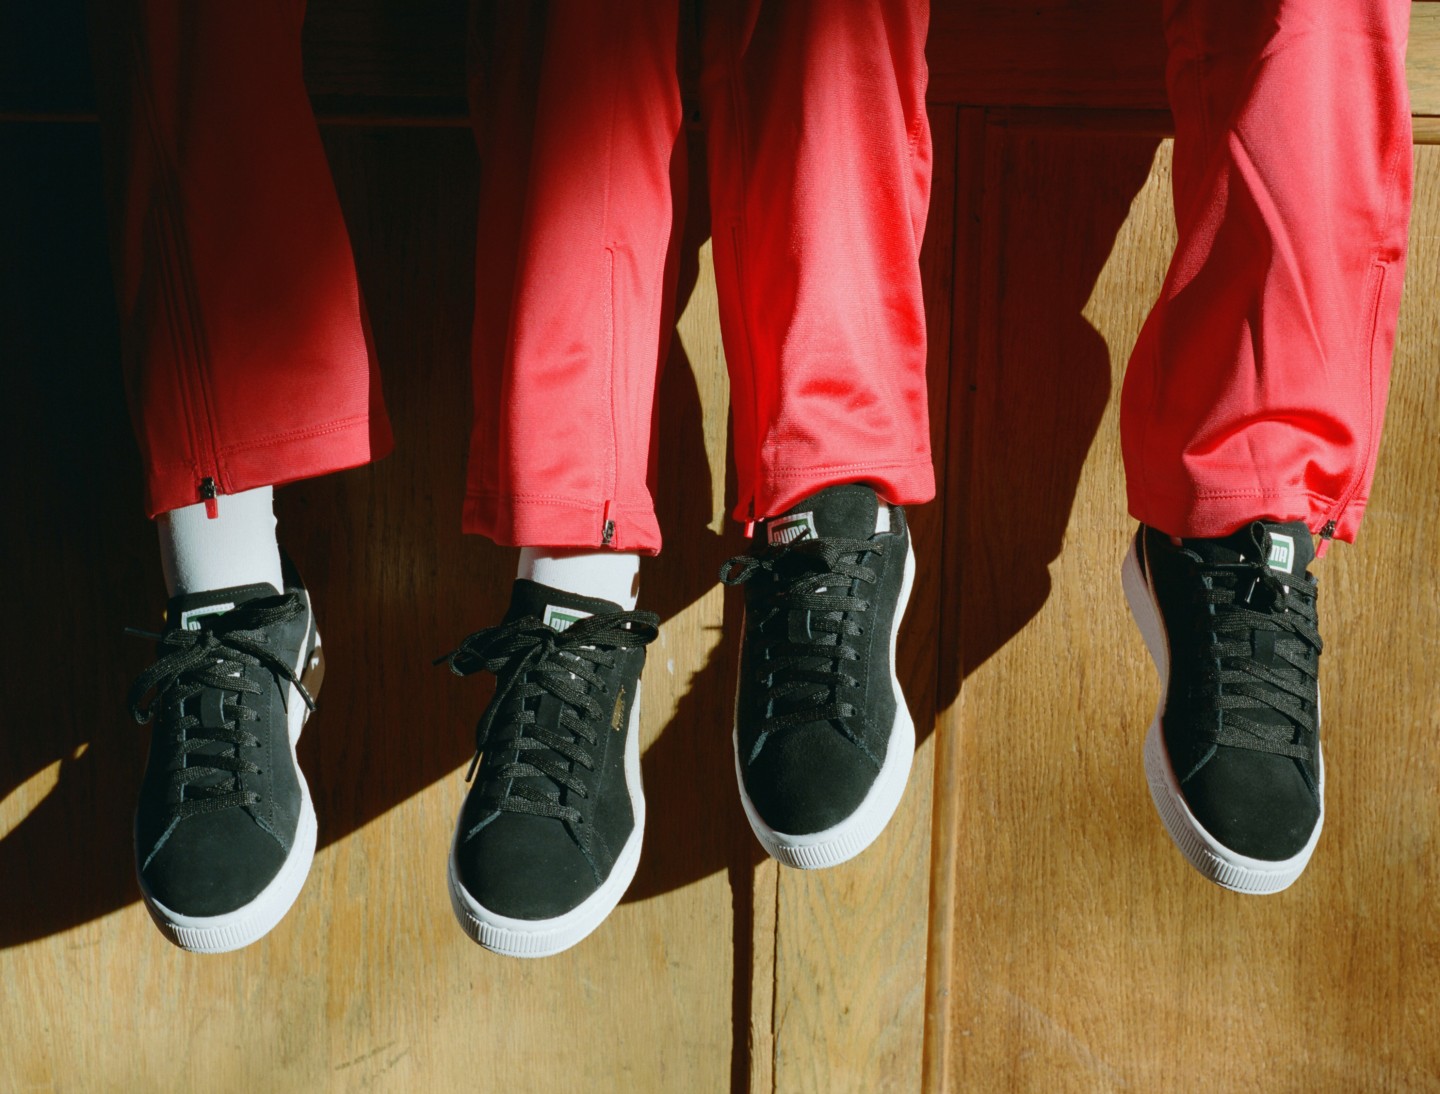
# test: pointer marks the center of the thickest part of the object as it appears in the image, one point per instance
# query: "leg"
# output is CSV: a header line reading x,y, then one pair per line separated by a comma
x,y
1252,409
1257,387
820,178
245,345
578,114
573,275
247,365
820,183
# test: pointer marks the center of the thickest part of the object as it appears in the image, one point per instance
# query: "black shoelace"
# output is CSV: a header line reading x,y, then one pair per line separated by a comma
x,y
1263,657
805,620
219,658
531,660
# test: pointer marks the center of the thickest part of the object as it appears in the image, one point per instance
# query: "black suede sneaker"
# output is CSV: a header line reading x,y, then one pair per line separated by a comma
x,y
823,739
1233,755
224,829
549,836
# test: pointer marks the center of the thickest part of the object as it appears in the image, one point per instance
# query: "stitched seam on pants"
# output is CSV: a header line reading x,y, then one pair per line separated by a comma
x,y
611,304
1222,495
802,472
154,224
611,486
273,439
1372,440
174,327
184,273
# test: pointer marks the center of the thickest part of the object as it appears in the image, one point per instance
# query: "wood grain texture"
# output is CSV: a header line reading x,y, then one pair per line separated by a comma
x,y
1422,58
944,948
1088,955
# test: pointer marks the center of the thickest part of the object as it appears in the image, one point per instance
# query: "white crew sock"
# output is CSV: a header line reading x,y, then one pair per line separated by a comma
x,y
608,575
238,547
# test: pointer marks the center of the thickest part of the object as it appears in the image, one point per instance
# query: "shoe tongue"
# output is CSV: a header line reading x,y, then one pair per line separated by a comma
x,y
559,609
1286,547
1287,550
191,610
843,512
554,607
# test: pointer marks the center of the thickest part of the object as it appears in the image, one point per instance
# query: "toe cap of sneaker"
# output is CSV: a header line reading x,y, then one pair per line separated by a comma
x,y
808,779
1258,805
524,868
212,864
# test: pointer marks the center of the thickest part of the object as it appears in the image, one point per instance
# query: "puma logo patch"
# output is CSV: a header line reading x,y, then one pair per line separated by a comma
x,y
1282,552
190,620
783,530
562,619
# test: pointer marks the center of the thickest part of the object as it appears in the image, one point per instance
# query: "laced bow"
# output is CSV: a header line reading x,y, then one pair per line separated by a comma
x,y
218,656
807,595
1263,656
530,659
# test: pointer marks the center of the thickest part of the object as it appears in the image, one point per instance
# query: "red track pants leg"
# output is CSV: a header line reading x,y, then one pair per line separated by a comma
x,y
1257,388
820,165
245,346
571,275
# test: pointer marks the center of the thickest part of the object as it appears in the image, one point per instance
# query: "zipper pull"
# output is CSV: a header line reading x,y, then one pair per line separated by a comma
x,y
607,527
1326,535
750,521
209,495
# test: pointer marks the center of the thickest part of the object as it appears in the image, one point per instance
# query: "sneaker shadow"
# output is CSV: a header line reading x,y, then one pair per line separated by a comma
x,y
76,547
1032,392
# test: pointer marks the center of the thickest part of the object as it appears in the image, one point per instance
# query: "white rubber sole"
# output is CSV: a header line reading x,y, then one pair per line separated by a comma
x,y
1214,860
251,922
546,937
843,841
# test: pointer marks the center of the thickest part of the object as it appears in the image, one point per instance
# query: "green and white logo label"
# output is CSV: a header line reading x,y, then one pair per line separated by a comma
x,y
190,621
562,619
783,530
1282,552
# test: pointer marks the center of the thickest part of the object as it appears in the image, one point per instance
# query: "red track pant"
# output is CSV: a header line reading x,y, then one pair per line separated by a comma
x,y
1257,387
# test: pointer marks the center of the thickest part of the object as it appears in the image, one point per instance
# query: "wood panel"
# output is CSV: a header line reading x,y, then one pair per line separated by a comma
x,y
1087,955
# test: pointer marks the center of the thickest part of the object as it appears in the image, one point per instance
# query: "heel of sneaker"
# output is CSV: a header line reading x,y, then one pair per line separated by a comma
x,y
313,674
